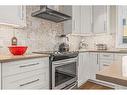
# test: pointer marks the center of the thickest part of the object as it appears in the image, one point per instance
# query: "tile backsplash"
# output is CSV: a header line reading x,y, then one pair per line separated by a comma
x,y
107,39
38,35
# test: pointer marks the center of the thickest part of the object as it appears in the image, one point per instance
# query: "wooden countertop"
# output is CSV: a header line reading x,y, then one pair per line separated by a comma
x,y
9,58
113,74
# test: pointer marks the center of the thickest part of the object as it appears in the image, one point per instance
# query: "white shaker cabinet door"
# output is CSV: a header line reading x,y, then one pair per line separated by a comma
x,y
0,75
76,17
72,26
100,21
83,68
13,15
86,19
94,65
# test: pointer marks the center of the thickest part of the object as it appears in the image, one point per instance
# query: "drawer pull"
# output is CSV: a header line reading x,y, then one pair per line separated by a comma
x,y
106,55
105,65
29,82
28,65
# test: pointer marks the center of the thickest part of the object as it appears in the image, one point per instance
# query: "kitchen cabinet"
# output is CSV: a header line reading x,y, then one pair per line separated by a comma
x,y
0,76
26,74
72,26
86,20
81,23
83,68
13,16
105,60
100,19
94,65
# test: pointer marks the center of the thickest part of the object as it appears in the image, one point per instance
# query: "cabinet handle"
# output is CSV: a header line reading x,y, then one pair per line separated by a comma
x,y
97,59
29,65
106,55
21,14
29,82
105,26
74,24
105,65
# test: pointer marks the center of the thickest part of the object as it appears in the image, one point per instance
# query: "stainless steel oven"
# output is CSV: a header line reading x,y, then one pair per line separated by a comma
x,y
64,73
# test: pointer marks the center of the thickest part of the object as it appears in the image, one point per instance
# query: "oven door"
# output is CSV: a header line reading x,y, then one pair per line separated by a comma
x,y
64,73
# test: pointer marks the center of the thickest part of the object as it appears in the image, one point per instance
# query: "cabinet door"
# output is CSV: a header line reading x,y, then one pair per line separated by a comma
x,y
94,65
72,26
13,15
86,19
0,76
83,68
99,19
67,24
76,16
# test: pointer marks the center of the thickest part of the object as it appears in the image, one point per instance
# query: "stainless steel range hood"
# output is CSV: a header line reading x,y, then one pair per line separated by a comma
x,y
49,14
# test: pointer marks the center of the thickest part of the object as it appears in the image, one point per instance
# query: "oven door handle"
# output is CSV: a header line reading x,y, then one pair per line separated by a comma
x,y
66,62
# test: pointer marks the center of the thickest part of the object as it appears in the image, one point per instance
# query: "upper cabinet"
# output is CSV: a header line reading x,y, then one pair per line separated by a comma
x,y
121,27
100,19
81,20
87,20
13,16
72,26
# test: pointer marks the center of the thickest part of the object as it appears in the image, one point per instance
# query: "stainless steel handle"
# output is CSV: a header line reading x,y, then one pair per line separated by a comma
x,y
29,65
22,13
105,65
29,82
105,26
74,24
97,59
64,62
106,55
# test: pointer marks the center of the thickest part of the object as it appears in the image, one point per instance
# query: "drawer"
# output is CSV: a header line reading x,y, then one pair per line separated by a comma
x,y
106,56
17,67
38,79
104,65
106,61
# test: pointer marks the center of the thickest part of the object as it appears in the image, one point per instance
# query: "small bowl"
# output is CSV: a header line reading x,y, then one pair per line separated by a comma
x,y
17,50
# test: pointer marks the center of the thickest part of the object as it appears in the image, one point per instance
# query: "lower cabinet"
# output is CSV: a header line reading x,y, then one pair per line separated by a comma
x,y
94,65
83,68
37,79
90,63
0,75
105,60
26,74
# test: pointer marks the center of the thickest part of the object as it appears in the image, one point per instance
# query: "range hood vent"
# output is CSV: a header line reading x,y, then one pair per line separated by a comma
x,y
49,14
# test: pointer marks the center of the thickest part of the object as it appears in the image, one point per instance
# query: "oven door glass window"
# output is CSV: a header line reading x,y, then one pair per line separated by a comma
x,y
65,73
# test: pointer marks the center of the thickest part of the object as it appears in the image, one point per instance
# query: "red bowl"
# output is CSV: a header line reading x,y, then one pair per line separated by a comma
x,y
17,50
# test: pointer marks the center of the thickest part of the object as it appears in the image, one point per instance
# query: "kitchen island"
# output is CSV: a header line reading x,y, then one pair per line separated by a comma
x,y
113,74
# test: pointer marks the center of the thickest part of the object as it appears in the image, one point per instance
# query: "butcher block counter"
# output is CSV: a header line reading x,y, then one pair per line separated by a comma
x,y
9,58
114,74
